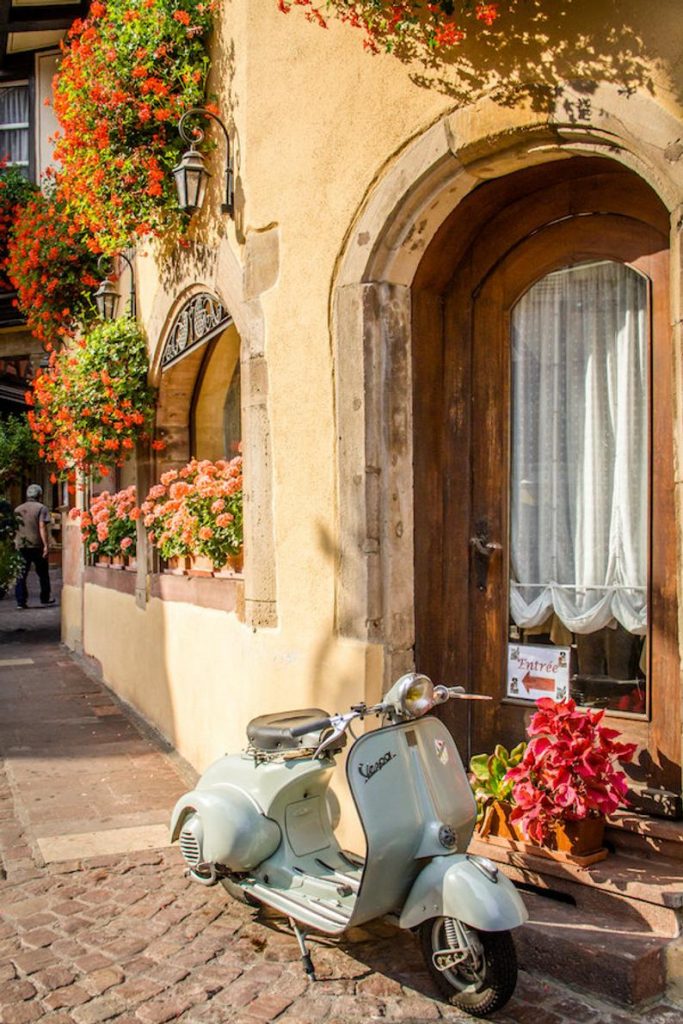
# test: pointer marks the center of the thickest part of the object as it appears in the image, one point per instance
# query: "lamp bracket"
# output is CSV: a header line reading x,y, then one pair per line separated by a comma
x,y
196,135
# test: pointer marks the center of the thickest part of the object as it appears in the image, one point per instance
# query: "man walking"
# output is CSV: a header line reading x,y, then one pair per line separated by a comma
x,y
33,543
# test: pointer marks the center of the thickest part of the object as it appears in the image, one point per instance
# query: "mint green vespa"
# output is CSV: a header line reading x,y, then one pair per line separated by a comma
x,y
262,824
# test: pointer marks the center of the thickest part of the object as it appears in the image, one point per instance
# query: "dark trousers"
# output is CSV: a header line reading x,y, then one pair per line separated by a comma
x,y
33,556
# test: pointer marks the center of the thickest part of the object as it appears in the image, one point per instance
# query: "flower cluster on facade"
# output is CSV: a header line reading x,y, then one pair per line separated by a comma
x,y
51,266
92,404
386,23
197,510
108,525
129,70
15,191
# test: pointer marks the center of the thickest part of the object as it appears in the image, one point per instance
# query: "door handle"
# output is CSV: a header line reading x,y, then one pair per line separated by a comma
x,y
483,549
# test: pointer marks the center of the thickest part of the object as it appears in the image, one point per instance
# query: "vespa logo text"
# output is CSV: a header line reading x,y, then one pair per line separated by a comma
x,y
369,770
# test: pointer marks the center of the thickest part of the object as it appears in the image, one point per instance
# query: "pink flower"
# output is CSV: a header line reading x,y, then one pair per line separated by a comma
x,y
224,519
126,543
94,546
205,533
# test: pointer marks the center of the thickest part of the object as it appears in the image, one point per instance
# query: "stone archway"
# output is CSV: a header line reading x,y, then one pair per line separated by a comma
x,y
372,311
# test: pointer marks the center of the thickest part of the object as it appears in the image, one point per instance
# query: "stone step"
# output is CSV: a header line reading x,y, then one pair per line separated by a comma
x,y
641,836
635,889
597,953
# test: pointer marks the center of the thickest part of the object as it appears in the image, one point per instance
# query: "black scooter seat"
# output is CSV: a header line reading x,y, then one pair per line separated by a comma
x,y
274,732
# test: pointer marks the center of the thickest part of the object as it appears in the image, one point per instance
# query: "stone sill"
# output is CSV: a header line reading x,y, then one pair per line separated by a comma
x,y
221,593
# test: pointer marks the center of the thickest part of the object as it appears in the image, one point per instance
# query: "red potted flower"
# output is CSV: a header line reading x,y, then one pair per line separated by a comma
x,y
569,779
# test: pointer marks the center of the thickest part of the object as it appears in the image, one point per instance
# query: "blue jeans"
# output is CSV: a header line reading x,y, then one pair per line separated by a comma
x,y
33,556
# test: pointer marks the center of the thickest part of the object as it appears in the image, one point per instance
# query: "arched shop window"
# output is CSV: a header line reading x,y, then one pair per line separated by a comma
x,y
215,420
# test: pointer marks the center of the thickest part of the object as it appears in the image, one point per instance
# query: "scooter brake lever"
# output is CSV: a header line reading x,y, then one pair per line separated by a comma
x,y
340,723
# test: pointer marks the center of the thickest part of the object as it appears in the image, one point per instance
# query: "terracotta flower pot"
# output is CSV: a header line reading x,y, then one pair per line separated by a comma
x,y
176,565
200,565
131,563
118,561
233,566
575,838
578,837
496,821
103,561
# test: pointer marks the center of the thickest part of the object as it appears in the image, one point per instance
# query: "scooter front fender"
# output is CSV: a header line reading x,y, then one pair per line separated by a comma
x,y
455,886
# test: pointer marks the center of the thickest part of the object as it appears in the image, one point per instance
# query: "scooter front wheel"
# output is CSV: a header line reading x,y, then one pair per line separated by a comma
x,y
475,970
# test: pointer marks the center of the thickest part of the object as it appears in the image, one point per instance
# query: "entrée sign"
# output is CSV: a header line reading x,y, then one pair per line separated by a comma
x,y
535,672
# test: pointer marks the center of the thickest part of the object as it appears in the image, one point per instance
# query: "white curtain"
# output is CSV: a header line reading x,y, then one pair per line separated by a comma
x,y
14,110
579,500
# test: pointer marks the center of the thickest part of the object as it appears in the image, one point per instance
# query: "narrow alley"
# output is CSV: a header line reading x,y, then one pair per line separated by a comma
x,y
98,922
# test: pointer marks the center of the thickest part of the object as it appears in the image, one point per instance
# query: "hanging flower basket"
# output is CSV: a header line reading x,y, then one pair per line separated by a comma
x,y
51,266
93,403
129,70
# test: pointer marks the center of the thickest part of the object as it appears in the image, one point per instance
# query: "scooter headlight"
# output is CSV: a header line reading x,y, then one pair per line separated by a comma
x,y
411,696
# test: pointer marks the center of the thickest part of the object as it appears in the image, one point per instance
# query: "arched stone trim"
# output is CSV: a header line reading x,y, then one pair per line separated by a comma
x,y
371,312
218,273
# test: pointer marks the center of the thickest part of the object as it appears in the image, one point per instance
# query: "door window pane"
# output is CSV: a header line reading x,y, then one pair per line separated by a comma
x,y
579,466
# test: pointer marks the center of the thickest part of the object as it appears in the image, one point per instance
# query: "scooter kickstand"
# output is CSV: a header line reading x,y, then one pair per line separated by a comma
x,y
305,955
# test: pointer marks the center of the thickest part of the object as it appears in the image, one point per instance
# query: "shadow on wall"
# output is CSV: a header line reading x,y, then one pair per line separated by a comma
x,y
196,257
535,44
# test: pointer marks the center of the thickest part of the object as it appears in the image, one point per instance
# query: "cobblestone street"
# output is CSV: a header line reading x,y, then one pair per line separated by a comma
x,y
89,936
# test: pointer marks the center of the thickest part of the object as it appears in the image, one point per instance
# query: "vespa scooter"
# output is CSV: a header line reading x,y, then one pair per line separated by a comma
x,y
262,824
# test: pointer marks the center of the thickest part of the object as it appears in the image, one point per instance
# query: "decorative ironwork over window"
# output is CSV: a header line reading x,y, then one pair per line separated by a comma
x,y
200,320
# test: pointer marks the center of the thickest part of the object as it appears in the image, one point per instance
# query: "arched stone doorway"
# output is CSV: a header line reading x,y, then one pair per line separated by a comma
x,y
403,413
531,437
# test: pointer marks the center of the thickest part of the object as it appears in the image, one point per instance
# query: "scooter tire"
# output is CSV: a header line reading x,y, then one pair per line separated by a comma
x,y
237,893
457,985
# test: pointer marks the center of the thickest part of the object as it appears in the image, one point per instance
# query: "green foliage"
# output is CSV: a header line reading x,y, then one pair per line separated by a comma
x,y
488,775
93,403
10,559
18,449
10,565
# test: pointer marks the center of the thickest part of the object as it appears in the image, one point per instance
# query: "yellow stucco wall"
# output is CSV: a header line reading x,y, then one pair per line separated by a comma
x,y
199,675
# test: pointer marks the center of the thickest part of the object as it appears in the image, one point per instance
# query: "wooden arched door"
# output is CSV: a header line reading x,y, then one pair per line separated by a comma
x,y
534,485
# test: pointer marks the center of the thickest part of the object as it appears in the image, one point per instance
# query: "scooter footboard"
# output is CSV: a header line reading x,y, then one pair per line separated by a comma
x,y
467,888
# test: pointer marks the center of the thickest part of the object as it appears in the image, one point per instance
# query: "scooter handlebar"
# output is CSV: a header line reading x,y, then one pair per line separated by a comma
x,y
315,726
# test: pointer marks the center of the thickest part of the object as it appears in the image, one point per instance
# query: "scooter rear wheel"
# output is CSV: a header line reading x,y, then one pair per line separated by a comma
x,y
485,979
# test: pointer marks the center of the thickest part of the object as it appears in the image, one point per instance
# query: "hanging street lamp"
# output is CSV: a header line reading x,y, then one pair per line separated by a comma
x,y
107,295
191,176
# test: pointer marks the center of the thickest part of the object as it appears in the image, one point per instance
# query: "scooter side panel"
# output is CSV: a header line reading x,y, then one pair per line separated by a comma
x,y
455,887
234,830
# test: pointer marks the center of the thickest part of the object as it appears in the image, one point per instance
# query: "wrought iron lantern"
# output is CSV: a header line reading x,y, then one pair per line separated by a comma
x,y
107,300
107,295
191,176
